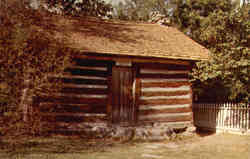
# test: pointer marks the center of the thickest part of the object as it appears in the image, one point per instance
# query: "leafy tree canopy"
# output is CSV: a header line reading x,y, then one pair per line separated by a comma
x,y
224,28
81,7
141,10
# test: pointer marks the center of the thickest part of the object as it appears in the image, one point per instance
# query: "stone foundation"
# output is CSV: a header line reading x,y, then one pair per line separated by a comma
x,y
152,132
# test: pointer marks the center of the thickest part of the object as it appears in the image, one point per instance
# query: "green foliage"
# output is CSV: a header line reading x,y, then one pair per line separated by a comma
x,y
27,58
224,28
140,10
82,7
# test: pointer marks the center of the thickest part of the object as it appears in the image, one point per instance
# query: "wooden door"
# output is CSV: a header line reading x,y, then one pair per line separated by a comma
x,y
123,108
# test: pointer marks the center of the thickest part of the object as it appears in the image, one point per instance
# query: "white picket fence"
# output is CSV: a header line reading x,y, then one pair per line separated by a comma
x,y
226,117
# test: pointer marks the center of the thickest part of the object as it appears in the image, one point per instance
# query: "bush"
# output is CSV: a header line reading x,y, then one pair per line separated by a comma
x,y
28,56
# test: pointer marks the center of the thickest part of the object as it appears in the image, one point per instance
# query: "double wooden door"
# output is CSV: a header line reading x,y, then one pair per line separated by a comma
x,y
123,102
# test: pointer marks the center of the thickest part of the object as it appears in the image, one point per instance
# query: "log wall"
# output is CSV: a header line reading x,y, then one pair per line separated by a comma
x,y
83,97
165,95
161,93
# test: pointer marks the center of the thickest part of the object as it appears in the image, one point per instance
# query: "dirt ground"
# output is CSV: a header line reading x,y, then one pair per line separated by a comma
x,y
212,146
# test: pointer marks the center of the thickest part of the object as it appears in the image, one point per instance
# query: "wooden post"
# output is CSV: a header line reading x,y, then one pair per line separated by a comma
x,y
137,91
191,104
110,97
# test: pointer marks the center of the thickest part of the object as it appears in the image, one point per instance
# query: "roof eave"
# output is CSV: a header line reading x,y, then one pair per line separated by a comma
x,y
198,58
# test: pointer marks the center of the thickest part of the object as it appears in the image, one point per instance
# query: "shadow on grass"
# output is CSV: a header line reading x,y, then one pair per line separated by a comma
x,y
204,133
52,145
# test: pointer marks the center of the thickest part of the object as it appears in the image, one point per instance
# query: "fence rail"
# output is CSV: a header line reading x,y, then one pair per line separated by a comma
x,y
223,117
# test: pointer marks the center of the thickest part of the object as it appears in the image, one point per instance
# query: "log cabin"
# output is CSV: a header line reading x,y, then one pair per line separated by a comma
x,y
124,73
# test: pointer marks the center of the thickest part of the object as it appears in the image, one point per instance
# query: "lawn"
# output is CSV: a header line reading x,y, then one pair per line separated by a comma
x,y
198,147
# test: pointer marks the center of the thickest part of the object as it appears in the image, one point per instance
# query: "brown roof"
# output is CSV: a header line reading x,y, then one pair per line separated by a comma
x,y
127,38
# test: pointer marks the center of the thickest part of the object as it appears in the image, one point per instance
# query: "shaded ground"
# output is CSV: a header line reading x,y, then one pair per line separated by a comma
x,y
198,147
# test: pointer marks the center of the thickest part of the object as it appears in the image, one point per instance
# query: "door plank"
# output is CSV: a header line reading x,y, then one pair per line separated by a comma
x,y
122,104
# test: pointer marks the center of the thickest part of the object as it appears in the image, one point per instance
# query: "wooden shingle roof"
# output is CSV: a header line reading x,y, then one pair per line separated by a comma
x,y
127,38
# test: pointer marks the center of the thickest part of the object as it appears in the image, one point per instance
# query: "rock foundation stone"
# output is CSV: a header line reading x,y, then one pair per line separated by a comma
x,y
153,132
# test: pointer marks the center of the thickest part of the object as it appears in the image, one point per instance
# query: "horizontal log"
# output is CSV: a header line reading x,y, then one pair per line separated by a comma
x,y
69,76
165,101
84,81
187,96
167,119
160,89
73,100
153,80
156,66
162,71
91,63
156,111
177,93
99,68
82,95
52,119
160,107
67,108
166,115
68,118
49,104
96,115
95,118
164,76
85,90
86,72
165,84
83,86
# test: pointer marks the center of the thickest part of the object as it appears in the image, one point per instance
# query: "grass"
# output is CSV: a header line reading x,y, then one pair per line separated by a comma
x,y
212,146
